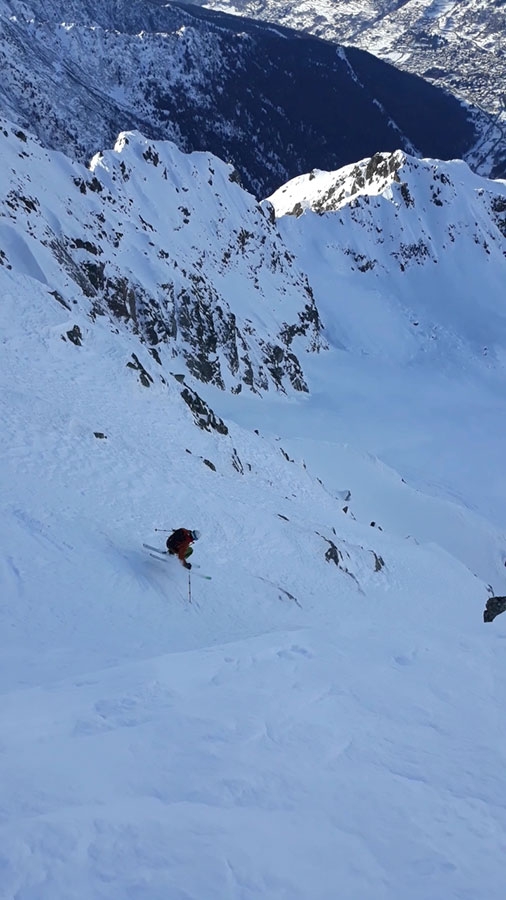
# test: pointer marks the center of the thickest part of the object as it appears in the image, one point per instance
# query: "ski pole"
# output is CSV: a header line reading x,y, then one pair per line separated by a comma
x,y
164,530
189,588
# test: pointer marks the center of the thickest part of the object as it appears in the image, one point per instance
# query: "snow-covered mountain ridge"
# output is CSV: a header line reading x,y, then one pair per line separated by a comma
x,y
394,218
177,251
385,174
460,46
162,243
274,103
171,248
415,210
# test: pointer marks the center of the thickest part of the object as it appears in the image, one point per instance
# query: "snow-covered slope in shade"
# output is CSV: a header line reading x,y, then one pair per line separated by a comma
x,y
325,716
274,103
460,46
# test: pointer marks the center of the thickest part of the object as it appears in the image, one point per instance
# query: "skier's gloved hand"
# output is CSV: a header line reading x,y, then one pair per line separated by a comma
x,y
187,565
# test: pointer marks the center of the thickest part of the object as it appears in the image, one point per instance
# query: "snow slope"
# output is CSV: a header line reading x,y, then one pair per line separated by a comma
x,y
325,717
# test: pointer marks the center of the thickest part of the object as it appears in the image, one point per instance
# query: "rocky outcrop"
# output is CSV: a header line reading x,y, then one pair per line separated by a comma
x,y
494,607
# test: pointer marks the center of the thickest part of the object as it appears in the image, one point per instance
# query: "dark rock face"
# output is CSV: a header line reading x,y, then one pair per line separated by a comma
x,y
273,102
75,336
204,417
493,608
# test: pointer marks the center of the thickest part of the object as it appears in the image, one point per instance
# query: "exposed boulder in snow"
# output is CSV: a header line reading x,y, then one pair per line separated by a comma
x,y
203,415
494,607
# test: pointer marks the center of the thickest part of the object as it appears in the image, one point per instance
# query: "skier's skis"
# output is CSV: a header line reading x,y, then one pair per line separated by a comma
x,y
163,556
155,556
156,549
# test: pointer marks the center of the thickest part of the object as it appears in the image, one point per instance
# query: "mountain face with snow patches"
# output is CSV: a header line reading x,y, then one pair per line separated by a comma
x,y
458,46
413,212
271,101
393,260
166,245
171,247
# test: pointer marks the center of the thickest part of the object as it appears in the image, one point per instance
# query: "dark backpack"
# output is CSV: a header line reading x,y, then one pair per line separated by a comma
x,y
176,539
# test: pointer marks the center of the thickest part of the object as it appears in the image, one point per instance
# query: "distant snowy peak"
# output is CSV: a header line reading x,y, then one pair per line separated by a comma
x,y
168,246
326,191
411,186
422,237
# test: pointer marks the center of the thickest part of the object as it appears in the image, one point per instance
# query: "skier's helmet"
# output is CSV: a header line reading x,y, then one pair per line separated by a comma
x,y
195,534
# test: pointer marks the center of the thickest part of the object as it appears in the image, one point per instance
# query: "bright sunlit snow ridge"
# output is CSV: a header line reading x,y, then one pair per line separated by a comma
x,y
322,396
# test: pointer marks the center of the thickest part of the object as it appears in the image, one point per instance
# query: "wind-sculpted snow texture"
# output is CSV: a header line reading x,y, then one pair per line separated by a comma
x,y
460,46
165,244
325,718
274,103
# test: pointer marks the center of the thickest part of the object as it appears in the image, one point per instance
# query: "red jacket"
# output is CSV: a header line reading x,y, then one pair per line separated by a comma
x,y
183,545
182,550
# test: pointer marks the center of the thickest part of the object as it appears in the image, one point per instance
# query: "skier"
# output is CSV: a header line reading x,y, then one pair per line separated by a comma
x,y
178,544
